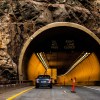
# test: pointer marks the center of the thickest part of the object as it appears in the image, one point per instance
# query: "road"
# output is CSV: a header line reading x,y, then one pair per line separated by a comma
x,y
61,93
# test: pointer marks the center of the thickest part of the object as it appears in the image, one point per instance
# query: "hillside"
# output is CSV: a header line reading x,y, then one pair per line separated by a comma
x,y
19,19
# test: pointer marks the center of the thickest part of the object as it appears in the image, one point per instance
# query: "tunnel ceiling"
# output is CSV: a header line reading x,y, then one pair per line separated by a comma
x,y
62,46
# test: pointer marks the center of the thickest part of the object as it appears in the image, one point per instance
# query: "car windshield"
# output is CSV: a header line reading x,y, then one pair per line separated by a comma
x,y
43,76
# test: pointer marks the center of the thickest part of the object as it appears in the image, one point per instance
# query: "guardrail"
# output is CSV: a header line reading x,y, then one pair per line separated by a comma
x,y
11,85
87,83
94,83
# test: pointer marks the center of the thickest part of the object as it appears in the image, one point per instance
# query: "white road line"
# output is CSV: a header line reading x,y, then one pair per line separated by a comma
x,y
92,88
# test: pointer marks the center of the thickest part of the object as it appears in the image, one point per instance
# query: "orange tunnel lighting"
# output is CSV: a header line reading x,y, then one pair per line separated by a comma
x,y
86,72
35,68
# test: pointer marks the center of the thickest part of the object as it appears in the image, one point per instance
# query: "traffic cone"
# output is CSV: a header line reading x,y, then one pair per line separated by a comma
x,y
73,86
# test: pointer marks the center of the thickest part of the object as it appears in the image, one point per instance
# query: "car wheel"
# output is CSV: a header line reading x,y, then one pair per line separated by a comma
x,y
36,86
51,87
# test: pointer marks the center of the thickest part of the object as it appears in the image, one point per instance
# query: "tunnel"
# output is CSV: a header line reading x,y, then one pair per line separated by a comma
x,y
63,50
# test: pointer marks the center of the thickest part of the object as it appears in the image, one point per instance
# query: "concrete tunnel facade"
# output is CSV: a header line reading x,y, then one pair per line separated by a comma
x,y
87,70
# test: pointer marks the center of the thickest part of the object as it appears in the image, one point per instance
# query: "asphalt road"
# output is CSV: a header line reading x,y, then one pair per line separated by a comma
x,y
60,93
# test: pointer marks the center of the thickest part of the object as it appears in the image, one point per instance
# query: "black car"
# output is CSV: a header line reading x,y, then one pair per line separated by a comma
x,y
43,81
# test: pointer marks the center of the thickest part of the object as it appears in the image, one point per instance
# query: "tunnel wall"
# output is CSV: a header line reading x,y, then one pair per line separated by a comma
x,y
86,73
35,68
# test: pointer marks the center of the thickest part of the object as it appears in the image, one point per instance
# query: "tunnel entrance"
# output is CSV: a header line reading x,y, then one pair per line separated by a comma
x,y
61,44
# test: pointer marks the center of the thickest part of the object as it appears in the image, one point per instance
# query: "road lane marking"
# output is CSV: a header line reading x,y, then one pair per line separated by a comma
x,y
64,91
16,95
92,88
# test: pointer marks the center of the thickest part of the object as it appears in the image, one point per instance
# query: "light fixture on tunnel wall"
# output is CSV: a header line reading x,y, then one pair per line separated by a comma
x,y
42,59
86,54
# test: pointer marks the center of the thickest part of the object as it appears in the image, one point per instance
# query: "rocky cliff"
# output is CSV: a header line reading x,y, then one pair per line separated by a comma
x,y
19,19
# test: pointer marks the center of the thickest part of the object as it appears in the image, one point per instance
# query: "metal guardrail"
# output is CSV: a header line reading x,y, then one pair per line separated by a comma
x,y
94,83
81,83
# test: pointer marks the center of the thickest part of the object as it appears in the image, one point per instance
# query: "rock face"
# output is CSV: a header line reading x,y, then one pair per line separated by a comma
x,y
19,19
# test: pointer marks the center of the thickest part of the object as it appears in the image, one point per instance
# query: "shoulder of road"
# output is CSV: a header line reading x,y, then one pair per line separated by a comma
x,y
12,93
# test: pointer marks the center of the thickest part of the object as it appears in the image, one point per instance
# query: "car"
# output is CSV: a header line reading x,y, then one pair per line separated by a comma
x,y
43,81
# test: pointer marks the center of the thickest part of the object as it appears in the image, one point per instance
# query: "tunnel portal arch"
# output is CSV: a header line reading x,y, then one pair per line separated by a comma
x,y
45,28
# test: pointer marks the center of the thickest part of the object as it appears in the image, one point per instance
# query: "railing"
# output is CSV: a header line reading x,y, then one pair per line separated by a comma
x,y
11,85
94,83
81,83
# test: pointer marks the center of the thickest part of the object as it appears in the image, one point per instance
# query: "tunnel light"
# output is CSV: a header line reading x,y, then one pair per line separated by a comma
x,y
31,38
42,60
78,61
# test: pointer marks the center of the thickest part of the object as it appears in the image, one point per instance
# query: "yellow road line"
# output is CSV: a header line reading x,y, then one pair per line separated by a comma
x,y
14,96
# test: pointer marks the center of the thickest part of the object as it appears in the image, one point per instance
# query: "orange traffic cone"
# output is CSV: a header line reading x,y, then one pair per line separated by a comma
x,y
73,85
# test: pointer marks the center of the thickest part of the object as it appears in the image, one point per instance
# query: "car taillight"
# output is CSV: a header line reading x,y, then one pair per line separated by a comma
x,y
49,81
37,80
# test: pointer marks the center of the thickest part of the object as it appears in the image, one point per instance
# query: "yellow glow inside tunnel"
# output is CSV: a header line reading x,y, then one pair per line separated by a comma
x,y
53,73
35,68
86,72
